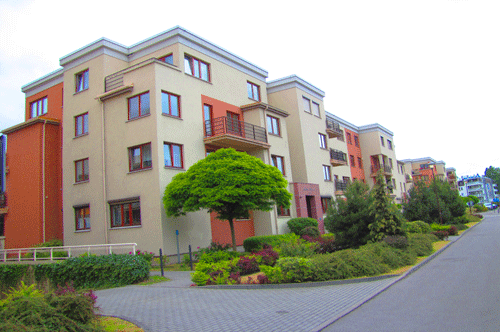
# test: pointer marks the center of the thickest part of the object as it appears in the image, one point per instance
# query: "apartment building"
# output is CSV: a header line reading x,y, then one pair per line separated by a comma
x,y
480,186
136,116
3,202
426,169
451,175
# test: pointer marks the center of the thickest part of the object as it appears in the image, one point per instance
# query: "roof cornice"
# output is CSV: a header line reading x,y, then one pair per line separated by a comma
x,y
293,81
31,122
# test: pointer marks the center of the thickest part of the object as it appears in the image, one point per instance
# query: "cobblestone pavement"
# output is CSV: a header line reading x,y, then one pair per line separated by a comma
x,y
171,306
174,306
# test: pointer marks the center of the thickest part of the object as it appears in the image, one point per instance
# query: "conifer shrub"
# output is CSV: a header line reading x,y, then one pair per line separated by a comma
x,y
256,243
417,226
421,244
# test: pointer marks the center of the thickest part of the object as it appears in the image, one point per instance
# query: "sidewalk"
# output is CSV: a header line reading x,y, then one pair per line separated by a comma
x,y
174,306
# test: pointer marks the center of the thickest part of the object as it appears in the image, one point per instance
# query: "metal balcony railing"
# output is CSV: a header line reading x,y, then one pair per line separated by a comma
x,y
334,127
225,125
385,168
3,200
338,155
341,185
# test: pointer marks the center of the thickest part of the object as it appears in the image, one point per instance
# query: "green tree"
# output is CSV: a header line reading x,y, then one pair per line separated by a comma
x,y
494,174
435,202
229,183
349,219
387,219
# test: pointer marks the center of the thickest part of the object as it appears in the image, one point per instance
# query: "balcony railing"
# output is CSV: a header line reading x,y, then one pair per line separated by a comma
x,y
408,178
337,157
333,129
3,200
385,168
225,125
341,185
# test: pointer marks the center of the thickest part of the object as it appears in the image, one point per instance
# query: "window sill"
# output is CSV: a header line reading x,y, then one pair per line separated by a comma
x,y
125,227
328,180
140,170
271,134
139,117
175,168
256,100
78,92
326,149
81,182
82,231
82,135
171,116
199,79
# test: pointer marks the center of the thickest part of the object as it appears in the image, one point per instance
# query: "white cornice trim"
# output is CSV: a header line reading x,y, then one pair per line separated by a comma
x,y
293,81
360,129
43,83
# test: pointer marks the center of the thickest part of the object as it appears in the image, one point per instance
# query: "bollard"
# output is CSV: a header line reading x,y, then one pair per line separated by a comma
x,y
161,263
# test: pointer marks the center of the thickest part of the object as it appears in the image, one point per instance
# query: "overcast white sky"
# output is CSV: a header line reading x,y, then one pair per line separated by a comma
x,y
428,70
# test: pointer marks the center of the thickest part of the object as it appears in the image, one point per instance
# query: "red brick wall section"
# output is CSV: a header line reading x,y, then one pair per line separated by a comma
x,y
221,232
353,150
301,191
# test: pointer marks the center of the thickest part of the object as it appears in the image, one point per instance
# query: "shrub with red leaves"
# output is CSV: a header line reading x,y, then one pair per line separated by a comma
x,y
442,235
269,256
247,265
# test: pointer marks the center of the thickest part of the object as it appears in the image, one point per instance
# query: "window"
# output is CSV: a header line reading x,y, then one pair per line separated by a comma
x,y
352,160
126,214
172,153
349,139
140,157
282,212
253,91
167,58
82,218
2,225
38,107
341,137
307,104
327,175
138,106
360,162
315,108
279,163
196,68
170,104
382,140
322,141
325,203
356,141
394,183
82,170
390,163
82,81
389,144
273,125
82,124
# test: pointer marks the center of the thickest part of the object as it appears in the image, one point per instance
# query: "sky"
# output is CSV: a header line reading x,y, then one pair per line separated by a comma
x,y
427,70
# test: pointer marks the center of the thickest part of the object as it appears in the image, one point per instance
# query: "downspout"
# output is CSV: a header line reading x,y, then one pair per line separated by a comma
x,y
43,181
276,230
106,235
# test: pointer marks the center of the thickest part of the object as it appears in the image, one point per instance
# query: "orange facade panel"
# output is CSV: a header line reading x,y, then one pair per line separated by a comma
x,y
354,150
54,102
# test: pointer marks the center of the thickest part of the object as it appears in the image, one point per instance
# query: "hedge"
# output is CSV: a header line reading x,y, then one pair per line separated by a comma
x,y
256,243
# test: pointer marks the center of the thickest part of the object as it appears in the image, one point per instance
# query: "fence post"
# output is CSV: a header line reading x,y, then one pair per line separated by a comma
x,y
34,255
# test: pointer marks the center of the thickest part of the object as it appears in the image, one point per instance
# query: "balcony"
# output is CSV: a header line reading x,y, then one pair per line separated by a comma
x,y
224,132
408,178
333,129
3,203
340,186
338,158
387,170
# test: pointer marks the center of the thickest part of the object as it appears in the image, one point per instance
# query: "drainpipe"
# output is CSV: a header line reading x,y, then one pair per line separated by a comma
x,y
106,235
43,181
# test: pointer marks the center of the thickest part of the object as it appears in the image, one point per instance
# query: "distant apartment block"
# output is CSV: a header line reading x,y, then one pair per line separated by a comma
x,y
108,131
480,186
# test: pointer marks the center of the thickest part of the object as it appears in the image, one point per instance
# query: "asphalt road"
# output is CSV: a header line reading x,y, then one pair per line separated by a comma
x,y
459,290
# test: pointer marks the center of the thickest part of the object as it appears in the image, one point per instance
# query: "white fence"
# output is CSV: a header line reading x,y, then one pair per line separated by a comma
x,y
65,252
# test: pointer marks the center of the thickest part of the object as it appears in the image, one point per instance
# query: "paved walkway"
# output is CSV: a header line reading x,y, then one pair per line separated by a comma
x,y
174,306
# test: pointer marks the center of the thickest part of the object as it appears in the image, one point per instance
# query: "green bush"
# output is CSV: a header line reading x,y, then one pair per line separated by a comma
x,y
298,248
95,271
330,267
11,275
421,244
311,231
417,227
439,227
396,241
392,257
217,256
364,262
256,243
297,225
51,243
295,269
273,273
